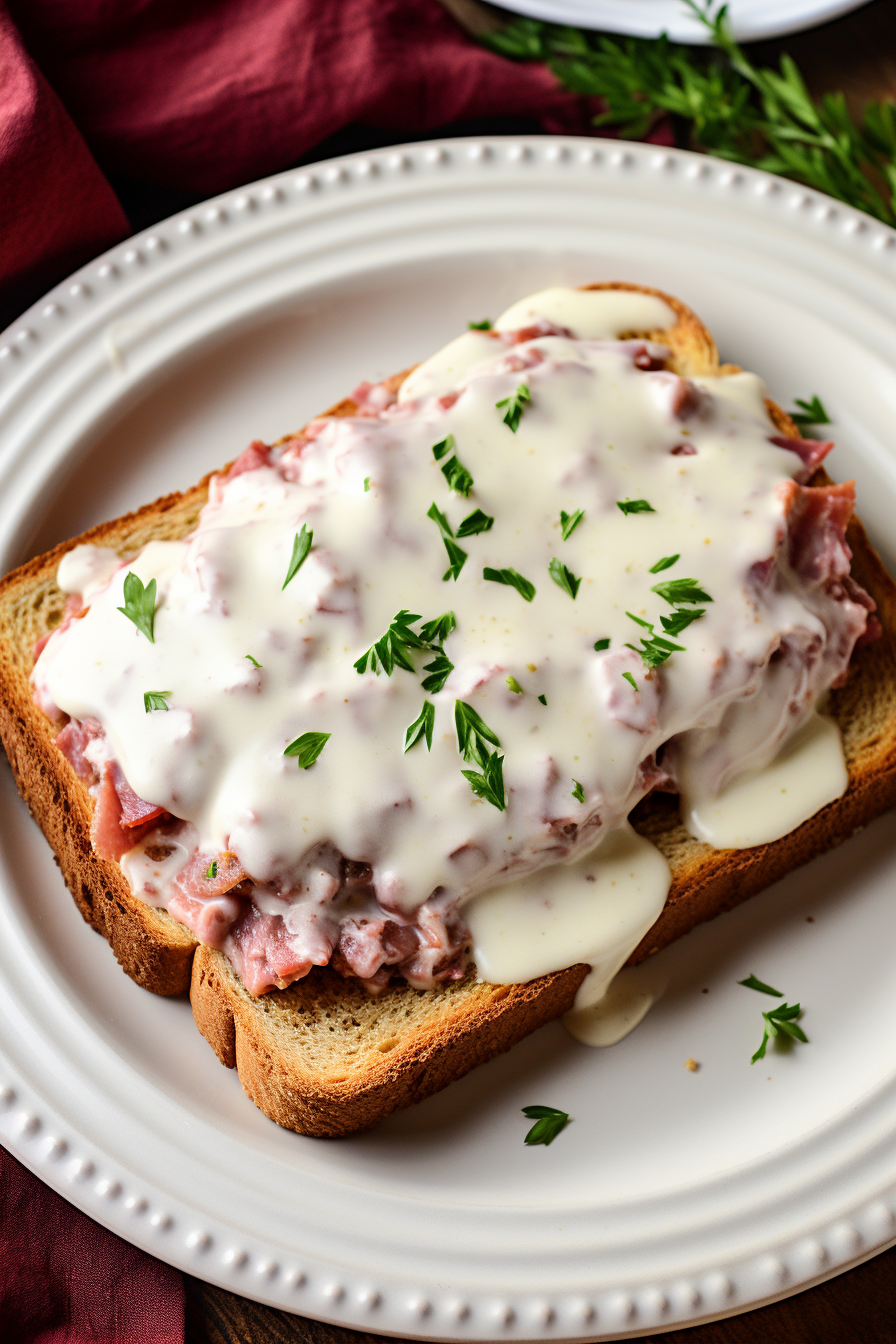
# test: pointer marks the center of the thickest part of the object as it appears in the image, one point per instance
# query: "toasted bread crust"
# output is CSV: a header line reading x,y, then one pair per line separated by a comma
x,y
324,1079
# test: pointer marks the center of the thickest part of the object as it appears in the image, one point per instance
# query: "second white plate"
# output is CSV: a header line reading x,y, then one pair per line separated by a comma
x,y
674,1196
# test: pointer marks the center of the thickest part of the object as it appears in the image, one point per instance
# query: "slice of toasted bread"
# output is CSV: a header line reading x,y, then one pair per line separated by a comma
x,y
323,1057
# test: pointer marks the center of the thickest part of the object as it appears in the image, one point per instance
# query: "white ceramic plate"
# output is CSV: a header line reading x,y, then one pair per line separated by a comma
x,y
674,1196
751,20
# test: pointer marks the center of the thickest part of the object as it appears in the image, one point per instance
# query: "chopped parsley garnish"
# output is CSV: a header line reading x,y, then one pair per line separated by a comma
x,y
666,563
673,625
810,413
600,644
678,591
514,685
654,649
437,630
512,579
474,523
548,1124
484,325
761,988
563,577
421,727
635,506
154,700
393,650
456,554
439,670
308,747
211,871
366,484
140,604
300,548
578,792
515,406
490,783
542,699
455,474
473,735
253,661
627,676
570,521
778,1020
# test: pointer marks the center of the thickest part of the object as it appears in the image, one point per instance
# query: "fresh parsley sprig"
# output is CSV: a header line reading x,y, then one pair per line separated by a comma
x,y
473,734
300,547
422,727
516,404
635,506
211,871
514,685
439,671
564,577
666,563
761,988
490,783
548,1124
437,630
155,700
722,103
307,748
457,556
474,523
484,325
569,522
679,591
253,661
512,579
781,1020
393,649
578,791
810,413
457,476
140,604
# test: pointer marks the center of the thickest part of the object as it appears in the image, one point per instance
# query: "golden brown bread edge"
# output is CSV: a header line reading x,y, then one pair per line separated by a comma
x,y
322,1056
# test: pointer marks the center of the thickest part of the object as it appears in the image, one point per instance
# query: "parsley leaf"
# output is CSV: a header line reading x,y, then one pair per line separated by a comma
x,y
512,579
676,591
563,577
393,650
673,625
600,644
366,484
654,650
635,506
473,734
627,676
421,727
253,661
457,476
484,325
515,406
490,784
778,1020
752,983
154,700
211,871
569,522
437,630
548,1124
810,413
474,523
308,747
542,699
456,554
439,669
666,563
578,792
140,604
514,685
300,548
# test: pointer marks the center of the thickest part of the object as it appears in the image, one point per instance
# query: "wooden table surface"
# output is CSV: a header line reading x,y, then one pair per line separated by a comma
x,y
858,55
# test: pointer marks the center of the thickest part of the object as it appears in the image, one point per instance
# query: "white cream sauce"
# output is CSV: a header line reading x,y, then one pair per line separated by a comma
x,y
594,314
597,430
594,910
763,805
604,1014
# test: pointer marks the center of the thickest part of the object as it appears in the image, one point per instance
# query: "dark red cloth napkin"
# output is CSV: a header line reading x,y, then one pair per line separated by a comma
x,y
66,1280
206,94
